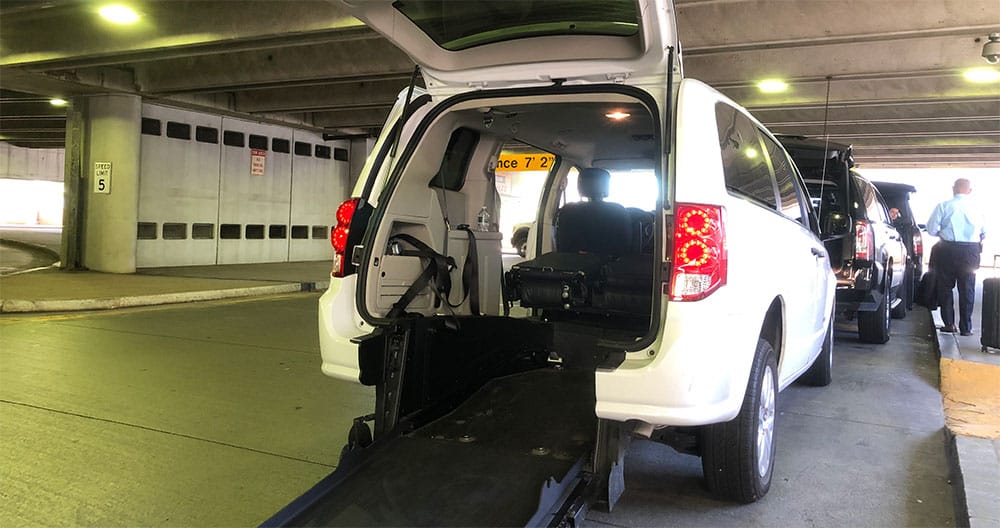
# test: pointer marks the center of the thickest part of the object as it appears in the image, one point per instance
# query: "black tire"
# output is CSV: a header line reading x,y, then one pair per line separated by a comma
x,y
899,312
820,374
873,327
910,281
731,452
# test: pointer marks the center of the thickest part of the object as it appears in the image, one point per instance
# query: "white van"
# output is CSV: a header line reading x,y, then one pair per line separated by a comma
x,y
680,323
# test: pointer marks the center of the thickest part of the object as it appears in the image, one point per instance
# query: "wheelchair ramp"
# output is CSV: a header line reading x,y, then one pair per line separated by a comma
x,y
486,463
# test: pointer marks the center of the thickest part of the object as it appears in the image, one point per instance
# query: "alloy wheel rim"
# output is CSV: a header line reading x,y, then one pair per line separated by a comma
x,y
765,422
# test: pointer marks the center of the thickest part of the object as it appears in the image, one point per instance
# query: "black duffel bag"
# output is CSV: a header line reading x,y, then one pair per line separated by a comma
x,y
926,294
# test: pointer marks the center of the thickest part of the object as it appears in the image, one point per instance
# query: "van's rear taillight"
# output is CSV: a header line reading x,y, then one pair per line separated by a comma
x,y
864,241
700,260
339,234
918,246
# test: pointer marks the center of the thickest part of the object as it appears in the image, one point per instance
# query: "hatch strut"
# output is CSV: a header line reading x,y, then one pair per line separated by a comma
x,y
406,110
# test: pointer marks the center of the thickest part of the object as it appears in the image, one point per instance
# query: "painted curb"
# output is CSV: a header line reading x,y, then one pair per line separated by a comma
x,y
73,305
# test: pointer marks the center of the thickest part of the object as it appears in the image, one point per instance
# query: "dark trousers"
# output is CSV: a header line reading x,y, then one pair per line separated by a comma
x,y
956,265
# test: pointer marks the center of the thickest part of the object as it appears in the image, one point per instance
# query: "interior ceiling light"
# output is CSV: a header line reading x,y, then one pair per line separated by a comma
x,y
617,115
56,101
750,152
982,75
772,86
119,14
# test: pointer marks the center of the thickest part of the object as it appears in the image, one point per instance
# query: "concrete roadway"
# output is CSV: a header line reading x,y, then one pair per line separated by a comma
x,y
217,414
23,248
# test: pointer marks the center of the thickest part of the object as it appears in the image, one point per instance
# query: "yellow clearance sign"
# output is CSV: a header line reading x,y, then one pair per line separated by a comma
x,y
525,162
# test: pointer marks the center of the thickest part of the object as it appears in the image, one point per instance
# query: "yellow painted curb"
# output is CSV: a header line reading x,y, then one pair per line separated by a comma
x,y
971,395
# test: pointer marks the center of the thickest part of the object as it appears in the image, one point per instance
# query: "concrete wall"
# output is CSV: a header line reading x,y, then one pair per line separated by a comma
x,y
19,163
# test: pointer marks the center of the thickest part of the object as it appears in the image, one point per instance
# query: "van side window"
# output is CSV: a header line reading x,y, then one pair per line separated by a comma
x,y
788,192
456,160
743,161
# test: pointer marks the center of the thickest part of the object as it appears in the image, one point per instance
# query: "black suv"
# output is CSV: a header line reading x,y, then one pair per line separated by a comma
x,y
897,196
866,252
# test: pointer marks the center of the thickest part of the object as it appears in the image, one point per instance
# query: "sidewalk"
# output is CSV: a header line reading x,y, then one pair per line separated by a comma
x,y
52,290
970,393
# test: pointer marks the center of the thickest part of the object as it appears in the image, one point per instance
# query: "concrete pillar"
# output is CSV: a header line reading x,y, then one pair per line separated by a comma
x,y
110,184
72,232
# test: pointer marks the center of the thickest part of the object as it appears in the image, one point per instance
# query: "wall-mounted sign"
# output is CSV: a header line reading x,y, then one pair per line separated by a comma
x,y
102,177
258,159
525,162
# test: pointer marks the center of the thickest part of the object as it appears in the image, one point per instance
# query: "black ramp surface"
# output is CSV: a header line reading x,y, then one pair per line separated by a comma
x,y
482,465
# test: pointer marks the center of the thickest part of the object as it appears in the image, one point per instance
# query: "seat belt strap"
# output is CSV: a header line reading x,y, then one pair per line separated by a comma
x,y
437,274
470,271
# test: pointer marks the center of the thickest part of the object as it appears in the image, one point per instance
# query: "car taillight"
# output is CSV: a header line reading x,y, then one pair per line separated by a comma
x,y
864,240
700,260
918,246
338,235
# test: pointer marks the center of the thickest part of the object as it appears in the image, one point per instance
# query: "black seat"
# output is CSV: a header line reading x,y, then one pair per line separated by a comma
x,y
597,267
594,226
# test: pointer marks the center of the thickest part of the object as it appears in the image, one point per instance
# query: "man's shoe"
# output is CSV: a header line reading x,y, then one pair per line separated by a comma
x,y
948,329
967,334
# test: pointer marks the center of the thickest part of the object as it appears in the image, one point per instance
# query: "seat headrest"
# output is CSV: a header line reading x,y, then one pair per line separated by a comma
x,y
594,183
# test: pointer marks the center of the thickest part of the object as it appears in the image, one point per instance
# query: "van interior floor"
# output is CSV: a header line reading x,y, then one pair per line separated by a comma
x,y
485,463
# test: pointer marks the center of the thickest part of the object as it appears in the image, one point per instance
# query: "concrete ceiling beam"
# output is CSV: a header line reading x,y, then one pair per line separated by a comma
x,y
340,119
952,128
943,88
915,109
355,60
168,29
339,96
722,24
847,59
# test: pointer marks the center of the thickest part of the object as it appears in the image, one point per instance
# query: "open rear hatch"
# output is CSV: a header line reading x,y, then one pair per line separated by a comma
x,y
474,44
508,456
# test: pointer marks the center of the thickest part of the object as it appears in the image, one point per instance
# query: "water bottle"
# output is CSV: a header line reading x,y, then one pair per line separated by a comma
x,y
483,220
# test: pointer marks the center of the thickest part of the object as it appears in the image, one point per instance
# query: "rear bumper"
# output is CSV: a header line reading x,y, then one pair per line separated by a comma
x,y
339,323
697,376
858,288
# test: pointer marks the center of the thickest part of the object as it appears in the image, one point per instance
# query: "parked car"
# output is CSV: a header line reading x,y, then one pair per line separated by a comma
x,y
897,196
867,253
690,330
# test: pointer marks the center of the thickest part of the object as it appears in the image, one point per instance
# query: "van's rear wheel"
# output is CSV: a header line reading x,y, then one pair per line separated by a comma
x,y
737,457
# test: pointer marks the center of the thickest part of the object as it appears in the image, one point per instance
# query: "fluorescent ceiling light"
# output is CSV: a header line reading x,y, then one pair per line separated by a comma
x,y
617,115
56,101
119,14
772,86
982,75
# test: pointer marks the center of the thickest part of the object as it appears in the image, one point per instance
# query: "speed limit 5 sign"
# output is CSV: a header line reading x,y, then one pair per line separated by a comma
x,y
102,177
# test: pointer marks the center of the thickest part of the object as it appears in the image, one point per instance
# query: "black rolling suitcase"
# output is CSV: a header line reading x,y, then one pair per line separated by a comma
x,y
991,311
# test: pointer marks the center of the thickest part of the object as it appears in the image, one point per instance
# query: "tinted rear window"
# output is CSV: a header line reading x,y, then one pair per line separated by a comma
x,y
743,162
465,24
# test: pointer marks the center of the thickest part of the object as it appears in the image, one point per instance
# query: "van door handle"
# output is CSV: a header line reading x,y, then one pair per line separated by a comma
x,y
818,253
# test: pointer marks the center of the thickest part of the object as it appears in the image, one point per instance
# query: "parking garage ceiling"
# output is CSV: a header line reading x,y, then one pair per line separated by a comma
x,y
896,71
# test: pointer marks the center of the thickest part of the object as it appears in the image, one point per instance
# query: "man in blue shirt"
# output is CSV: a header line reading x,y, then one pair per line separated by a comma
x,y
960,227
